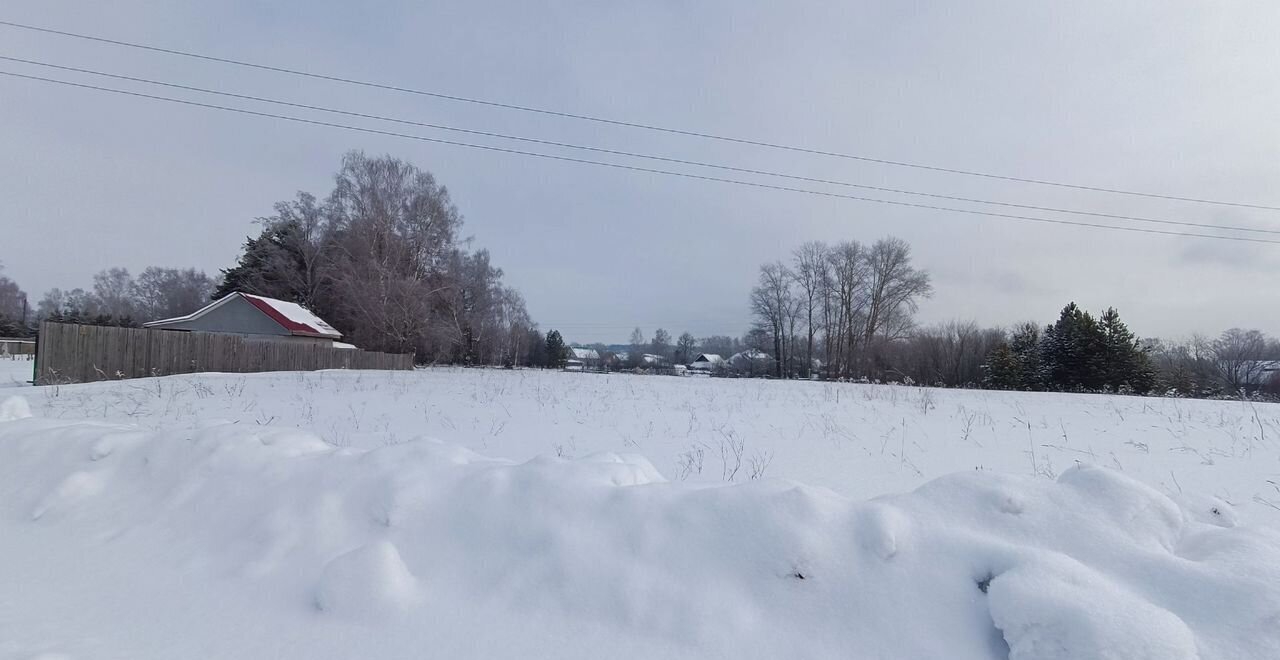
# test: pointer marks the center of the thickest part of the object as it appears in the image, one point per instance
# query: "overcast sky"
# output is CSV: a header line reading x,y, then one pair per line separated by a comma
x,y
1170,97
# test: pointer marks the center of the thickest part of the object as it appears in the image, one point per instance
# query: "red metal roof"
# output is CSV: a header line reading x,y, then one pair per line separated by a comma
x,y
295,327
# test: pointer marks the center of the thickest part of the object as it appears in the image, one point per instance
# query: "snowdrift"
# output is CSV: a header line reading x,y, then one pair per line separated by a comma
x,y
239,541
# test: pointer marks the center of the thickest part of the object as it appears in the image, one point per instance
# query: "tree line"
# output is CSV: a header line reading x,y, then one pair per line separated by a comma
x,y
1076,353
847,311
837,310
13,308
114,298
118,298
381,258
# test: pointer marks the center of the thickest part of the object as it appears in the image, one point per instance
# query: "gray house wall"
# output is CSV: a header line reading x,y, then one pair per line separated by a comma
x,y
238,316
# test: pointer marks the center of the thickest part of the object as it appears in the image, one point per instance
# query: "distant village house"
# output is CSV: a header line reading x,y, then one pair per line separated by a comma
x,y
580,359
706,363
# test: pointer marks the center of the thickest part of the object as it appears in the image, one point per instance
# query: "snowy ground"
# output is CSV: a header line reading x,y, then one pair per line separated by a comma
x,y
16,371
478,513
858,440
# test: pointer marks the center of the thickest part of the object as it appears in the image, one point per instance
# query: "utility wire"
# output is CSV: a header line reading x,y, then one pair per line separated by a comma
x,y
628,124
629,154
633,168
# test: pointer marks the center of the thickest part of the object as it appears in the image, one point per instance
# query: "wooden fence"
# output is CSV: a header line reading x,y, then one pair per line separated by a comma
x,y
69,353
17,346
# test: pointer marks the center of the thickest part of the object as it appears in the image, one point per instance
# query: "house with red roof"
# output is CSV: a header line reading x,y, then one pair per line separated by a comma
x,y
255,317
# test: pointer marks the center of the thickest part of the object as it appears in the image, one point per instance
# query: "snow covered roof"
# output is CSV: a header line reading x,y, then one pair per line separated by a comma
x,y
750,354
295,318
584,353
647,358
710,358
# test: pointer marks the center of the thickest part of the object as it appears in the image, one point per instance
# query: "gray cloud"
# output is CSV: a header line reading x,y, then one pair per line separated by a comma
x,y
1164,96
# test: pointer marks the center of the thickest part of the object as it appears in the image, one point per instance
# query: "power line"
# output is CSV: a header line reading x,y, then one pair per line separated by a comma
x,y
630,154
633,168
628,124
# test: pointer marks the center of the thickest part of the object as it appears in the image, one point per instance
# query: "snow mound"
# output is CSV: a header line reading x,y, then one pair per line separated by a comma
x,y
14,407
368,582
1057,609
311,551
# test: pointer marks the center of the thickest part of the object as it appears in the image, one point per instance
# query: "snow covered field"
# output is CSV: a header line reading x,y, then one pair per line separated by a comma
x,y
481,513
16,371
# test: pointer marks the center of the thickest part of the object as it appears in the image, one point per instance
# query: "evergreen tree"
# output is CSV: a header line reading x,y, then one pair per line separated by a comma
x,y
556,351
1073,352
1127,366
537,353
1002,370
271,266
1015,364
1143,377
1025,346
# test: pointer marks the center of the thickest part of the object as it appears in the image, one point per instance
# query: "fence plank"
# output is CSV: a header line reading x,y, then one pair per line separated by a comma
x,y
70,353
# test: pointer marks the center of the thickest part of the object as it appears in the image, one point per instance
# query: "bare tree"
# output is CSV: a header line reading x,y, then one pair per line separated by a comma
x,y
13,308
395,233
51,304
1238,356
75,303
685,346
382,260
473,305
113,289
167,292
1185,367
774,304
635,356
721,345
11,298
660,345
306,240
894,290
849,285
950,354
811,274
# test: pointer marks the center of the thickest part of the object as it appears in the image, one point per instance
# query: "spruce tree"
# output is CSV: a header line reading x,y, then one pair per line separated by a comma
x,y
1127,368
556,351
270,266
1074,352
1002,370
537,353
1025,344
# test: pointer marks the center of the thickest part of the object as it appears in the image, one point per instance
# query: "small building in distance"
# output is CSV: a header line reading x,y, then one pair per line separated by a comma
x,y
652,361
647,361
257,318
706,363
751,362
14,346
579,359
